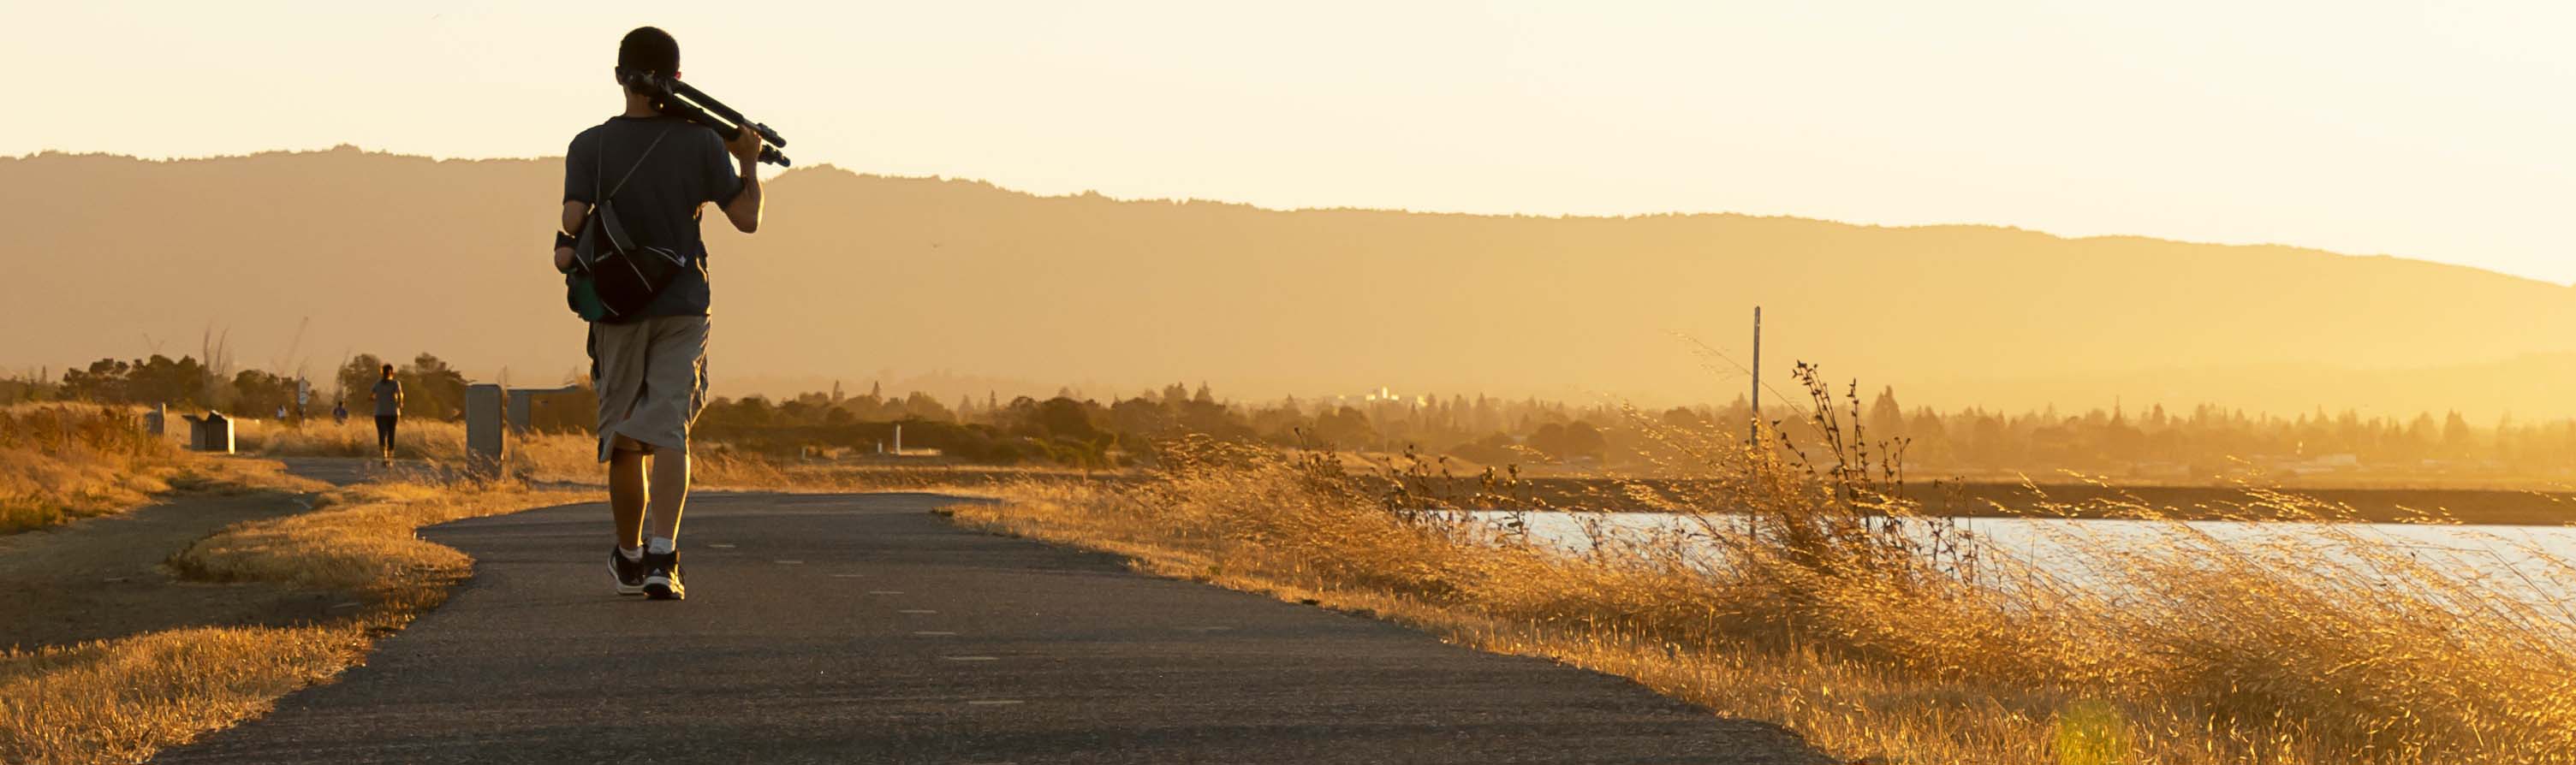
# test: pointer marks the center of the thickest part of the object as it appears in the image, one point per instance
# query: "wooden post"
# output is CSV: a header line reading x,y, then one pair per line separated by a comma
x,y
1756,438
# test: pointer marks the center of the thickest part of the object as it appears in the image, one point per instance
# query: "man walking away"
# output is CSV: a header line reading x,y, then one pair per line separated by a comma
x,y
389,400
651,370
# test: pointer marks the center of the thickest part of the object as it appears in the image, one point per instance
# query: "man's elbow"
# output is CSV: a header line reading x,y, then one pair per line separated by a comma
x,y
573,215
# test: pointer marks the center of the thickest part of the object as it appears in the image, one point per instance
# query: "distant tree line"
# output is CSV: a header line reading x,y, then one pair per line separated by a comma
x,y
2202,442
2209,439
1070,429
431,388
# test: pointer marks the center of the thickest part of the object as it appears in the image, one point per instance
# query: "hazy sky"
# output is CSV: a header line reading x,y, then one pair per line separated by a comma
x,y
2437,131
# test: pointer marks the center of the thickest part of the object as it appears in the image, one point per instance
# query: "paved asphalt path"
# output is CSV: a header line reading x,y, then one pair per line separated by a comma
x,y
866,629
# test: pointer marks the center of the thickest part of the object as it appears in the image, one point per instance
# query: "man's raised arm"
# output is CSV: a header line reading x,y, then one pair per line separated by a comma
x,y
744,210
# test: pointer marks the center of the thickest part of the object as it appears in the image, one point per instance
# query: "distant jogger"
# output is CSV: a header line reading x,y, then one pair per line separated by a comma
x,y
388,393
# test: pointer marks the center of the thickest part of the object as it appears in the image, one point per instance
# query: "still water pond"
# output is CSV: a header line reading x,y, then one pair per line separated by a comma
x,y
2533,564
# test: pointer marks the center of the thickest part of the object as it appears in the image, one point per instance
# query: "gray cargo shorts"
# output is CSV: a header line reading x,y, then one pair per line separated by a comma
x,y
652,379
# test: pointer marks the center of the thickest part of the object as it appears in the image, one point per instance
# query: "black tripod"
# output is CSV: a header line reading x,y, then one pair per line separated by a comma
x,y
677,99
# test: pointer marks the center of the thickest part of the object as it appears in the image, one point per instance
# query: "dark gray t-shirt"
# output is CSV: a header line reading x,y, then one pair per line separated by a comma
x,y
661,203
388,395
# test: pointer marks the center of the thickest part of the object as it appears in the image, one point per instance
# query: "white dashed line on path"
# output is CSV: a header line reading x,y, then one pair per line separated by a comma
x,y
847,576
916,611
885,592
971,658
721,546
789,562
933,633
992,702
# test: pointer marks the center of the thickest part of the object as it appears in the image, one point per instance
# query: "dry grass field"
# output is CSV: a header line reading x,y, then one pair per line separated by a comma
x,y
1818,599
58,463
64,462
415,439
121,700
569,458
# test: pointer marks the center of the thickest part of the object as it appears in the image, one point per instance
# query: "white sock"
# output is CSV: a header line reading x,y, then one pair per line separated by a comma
x,y
660,545
632,554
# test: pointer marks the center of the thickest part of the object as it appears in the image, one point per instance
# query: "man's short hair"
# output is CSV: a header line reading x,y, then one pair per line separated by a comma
x,y
649,49
389,369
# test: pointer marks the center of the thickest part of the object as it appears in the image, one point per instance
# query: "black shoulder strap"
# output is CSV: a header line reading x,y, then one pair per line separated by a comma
x,y
630,171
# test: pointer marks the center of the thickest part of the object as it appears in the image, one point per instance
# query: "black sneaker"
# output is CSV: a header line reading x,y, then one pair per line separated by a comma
x,y
662,577
629,573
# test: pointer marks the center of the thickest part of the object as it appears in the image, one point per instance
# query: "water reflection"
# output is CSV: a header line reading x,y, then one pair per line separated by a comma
x,y
2533,564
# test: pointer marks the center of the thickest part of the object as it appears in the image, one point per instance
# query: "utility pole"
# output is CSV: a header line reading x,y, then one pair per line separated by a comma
x,y
1756,438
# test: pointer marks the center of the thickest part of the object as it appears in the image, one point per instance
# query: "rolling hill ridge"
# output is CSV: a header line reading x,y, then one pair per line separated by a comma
x,y
853,274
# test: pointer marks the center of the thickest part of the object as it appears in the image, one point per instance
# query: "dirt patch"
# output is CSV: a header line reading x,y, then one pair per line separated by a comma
x,y
103,577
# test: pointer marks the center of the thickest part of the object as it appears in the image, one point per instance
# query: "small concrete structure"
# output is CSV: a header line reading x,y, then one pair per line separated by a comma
x,y
157,421
211,433
487,444
523,403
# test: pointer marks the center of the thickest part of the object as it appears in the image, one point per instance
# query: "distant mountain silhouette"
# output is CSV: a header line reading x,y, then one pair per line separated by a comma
x,y
853,274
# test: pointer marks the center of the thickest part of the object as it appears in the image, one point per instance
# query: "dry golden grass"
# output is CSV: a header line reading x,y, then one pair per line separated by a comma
x,y
572,458
553,457
361,539
121,700
64,462
1789,599
320,437
60,463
